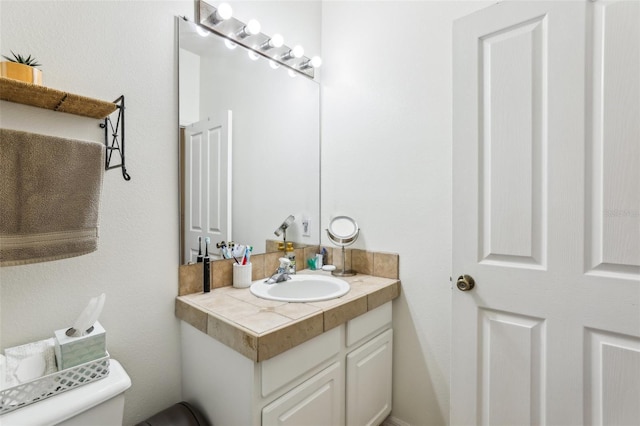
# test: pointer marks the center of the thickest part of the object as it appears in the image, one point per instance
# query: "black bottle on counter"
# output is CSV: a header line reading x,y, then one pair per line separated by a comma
x,y
206,267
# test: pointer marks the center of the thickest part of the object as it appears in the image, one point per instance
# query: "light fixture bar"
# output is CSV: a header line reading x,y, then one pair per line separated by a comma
x,y
232,29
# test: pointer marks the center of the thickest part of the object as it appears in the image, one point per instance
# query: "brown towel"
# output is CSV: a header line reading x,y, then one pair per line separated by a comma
x,y
49,197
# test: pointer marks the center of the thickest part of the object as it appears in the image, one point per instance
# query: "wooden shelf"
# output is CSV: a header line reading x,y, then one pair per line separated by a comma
x,y
56,100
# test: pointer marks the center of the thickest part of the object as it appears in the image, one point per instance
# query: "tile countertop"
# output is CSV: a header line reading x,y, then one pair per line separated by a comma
x,y
261,329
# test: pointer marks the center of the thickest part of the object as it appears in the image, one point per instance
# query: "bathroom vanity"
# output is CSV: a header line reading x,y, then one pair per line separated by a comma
x,y
252,361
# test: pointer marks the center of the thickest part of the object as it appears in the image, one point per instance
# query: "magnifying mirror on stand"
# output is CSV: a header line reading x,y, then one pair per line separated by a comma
x,y
343,231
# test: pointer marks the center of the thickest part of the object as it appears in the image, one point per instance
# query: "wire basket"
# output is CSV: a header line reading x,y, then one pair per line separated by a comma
x,y
53,384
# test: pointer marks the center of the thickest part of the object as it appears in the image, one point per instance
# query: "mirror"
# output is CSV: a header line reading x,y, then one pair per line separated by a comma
x,y
249,147
343,231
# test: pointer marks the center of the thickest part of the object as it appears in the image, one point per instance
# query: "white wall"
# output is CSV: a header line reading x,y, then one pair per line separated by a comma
x,y
189,87
104,49
386,141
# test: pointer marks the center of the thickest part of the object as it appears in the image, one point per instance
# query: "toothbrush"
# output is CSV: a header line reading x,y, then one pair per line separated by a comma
x,y
233,252
245,256
207,240
199,258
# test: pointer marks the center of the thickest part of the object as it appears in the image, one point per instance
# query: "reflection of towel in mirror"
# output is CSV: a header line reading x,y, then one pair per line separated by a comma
x,y
49,197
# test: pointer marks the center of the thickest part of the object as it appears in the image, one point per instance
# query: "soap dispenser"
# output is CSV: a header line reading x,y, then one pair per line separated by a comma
x,y
285,265
291,255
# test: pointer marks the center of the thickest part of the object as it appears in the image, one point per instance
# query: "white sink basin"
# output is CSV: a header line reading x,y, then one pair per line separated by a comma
x,y
302,288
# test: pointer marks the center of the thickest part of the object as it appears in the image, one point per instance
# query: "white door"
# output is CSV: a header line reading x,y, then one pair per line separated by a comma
x,y
317,402
547,214
369,373
207,174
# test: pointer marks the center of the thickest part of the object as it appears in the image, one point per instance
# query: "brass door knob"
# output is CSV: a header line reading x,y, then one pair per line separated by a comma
x,y
465,283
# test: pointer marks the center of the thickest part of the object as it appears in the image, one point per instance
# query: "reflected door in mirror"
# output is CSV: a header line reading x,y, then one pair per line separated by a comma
x,y
207,175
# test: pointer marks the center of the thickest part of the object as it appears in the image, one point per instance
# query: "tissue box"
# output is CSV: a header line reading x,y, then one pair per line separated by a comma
x,y
72,351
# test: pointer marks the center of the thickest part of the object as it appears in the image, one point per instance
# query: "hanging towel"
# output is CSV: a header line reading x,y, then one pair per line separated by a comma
x,y
49,197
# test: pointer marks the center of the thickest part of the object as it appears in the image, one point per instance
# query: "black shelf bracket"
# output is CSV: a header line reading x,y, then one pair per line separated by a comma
x,y
115,140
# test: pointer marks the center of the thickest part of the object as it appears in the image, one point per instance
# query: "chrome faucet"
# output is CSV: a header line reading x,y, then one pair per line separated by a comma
x,y
278,277
282,274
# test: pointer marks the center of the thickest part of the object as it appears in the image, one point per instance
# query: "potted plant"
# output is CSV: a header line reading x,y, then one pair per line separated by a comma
x,y
21,68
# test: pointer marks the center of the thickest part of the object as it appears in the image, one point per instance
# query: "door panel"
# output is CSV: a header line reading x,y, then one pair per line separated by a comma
x,y
207,183
511,362
318,401
511,90
613,169
612,369
546,197
369,374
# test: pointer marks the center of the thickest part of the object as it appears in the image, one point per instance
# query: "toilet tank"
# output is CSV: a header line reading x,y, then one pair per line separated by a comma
x,y
97,403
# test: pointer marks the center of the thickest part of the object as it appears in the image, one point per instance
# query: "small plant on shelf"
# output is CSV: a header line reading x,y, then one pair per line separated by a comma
x,y
32,62
21,68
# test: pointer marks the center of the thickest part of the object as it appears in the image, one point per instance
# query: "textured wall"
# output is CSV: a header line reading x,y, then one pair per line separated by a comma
x,y
386,143
105,49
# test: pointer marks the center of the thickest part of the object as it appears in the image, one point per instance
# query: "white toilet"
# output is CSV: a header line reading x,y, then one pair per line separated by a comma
x,y
96,404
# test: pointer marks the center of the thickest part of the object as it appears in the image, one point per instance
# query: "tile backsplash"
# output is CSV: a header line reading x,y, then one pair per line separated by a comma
x,y
378,264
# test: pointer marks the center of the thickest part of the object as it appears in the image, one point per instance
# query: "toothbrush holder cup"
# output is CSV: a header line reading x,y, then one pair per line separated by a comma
x,y
241,275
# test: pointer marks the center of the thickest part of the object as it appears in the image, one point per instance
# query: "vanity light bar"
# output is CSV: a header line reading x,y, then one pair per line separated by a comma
x,y
237,32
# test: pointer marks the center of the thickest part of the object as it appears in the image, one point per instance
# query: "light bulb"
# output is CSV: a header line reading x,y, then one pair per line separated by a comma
x,y
273,64
230,45
252,28
297,51
224,11
275,41
314,62
252,55
292,74
202,32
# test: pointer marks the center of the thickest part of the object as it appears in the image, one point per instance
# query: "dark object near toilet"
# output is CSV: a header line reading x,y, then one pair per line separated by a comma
x,y
180,414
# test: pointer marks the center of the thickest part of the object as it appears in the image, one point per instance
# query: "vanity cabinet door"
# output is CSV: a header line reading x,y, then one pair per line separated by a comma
x,y
369,373
317,401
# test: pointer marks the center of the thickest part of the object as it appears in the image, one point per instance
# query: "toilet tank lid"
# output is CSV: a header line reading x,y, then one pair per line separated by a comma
x,y
68,404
